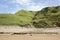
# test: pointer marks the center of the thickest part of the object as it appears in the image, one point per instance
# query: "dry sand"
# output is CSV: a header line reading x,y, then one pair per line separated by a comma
x,y
28,37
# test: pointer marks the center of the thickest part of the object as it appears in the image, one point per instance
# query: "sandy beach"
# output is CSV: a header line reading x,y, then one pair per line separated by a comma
x,y
47,33
29,37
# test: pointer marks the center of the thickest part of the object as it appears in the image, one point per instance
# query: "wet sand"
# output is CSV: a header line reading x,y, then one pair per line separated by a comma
x,y
29,37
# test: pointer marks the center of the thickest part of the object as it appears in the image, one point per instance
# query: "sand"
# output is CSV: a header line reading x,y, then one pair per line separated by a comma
x,y
29,37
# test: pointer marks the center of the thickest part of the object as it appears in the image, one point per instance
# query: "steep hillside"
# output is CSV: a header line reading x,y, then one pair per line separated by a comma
x,y
25,16
47,17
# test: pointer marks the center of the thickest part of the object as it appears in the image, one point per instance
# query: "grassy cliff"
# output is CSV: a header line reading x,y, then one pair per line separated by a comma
x,y
47,17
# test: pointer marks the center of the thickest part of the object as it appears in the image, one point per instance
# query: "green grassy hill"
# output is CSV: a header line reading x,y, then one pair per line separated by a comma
x,y
9,19
25,16
47,17
21,18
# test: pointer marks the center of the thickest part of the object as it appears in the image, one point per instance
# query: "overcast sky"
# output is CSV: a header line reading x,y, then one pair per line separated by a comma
x,y
12,6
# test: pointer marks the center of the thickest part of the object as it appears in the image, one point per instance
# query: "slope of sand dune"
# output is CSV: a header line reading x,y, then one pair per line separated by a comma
x,y
28,37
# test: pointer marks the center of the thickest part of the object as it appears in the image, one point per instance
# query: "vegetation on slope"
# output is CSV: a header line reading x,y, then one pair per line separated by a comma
x,y
47,17
25,16
9,19
21,18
